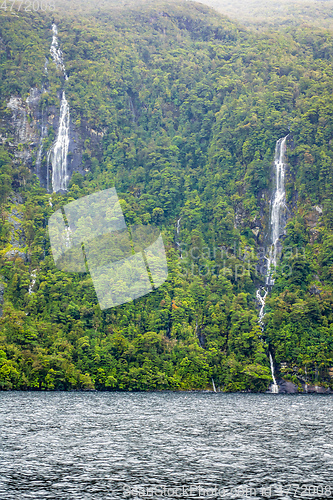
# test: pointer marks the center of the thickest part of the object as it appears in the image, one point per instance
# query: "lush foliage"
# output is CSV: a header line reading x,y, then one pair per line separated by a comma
x,y
189,107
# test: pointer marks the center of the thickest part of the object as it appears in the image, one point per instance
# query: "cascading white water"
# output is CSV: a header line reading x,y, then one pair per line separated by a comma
x,y
177,233
306,381
213,383
277,223
60,148
261,299
68,237
275,387
48,158
33,281
277,209
56,52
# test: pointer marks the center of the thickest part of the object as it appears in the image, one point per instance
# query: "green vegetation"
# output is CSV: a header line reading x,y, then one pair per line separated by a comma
x,y
189,107
263,14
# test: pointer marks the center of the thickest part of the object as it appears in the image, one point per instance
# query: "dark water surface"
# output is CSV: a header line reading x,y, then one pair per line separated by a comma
x,y
163,445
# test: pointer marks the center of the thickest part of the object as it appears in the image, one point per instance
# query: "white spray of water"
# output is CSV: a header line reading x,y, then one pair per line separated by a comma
x,y
177,233
48,158
33,281
60,148
275,387
261,299
68,241
213,383
277,223
56,52
278,208
306,380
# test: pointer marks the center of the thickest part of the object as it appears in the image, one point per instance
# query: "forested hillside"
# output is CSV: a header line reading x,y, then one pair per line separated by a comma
x,y
180,109
261,14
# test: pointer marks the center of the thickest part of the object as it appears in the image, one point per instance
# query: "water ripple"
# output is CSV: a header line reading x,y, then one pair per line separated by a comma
x,y
93,445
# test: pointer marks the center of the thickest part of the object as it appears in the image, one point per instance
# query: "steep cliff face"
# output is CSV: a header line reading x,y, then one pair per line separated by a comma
x,y
37,129
29,130
17,242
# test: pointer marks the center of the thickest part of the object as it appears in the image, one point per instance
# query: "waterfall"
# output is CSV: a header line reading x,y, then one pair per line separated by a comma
x,y
214,388
306,380
278,208
68,237
56,53
261,300
33,281
275,387
48,157
132,109
60,148
277,224
177,236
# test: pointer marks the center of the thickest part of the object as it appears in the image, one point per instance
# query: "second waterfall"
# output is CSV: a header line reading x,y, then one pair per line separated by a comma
x,y
59,150
277,228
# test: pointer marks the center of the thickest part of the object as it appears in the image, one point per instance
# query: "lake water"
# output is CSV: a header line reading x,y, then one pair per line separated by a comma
x,y
165,445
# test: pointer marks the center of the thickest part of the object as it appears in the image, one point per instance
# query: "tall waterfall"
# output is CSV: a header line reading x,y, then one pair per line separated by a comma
x,y
277,219
60,147
48,157
56,53
275,387
177,237
277,225
33,281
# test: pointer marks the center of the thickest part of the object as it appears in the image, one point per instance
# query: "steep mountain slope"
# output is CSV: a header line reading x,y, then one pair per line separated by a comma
x,y
179,109
261,14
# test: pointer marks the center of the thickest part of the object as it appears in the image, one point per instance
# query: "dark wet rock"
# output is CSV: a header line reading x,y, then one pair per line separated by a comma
x,y
317,389
28,127
287,387
15,252
314,290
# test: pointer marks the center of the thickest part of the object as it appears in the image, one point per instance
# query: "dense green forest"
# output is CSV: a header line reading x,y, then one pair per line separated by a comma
x,y
261,14
186,106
